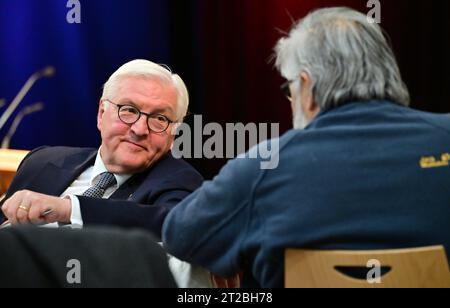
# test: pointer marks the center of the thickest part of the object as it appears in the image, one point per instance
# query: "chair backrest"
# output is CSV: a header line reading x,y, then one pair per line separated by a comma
x,y
405,268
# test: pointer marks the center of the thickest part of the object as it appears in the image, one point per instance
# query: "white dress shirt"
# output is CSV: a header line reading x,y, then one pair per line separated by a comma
x,y
86,180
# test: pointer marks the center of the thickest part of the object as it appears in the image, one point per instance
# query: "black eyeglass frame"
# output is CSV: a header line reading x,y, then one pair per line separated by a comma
x,y
148,115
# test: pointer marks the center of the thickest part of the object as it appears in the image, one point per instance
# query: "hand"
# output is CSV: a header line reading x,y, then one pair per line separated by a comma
x,y
27,207
227,283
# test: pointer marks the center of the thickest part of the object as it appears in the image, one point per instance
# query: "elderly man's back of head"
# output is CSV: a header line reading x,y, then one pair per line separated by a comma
x,y
346,57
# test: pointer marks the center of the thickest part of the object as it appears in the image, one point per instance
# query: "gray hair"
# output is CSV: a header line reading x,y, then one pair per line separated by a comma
x,y
148,69
346,57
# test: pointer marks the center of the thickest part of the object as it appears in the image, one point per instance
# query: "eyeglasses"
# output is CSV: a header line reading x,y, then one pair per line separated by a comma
x,y
128,114
286,89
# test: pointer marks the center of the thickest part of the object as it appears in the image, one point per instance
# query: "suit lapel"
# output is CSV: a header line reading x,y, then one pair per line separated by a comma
x,y
59,176
127,189
56,177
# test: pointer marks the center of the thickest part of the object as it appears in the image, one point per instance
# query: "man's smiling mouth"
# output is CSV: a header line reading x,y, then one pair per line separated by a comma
x,y
135,144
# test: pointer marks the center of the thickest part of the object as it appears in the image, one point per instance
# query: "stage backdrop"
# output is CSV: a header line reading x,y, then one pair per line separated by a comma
x,y
34,34
221,48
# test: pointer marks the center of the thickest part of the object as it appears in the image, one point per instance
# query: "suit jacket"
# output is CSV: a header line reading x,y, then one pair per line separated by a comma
x,y
40,257
143,201
367,175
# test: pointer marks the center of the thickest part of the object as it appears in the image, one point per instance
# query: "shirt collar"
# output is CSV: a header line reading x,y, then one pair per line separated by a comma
x,y
99,168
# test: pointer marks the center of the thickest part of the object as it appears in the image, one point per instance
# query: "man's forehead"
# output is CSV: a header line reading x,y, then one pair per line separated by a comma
x,y
147,93
150,86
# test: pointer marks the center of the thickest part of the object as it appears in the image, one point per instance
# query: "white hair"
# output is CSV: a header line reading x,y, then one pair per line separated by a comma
x,y
346,57
148,69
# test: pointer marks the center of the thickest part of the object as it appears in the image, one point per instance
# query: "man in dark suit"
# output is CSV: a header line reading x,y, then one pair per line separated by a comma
x,y
132,180
366,172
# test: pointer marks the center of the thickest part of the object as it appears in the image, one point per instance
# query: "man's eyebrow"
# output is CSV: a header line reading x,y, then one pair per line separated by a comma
x,y
161,110
127,101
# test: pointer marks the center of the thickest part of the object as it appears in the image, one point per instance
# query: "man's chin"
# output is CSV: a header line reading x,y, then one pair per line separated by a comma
x,y
132,163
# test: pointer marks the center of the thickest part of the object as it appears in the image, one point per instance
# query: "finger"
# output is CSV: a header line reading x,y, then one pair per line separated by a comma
x,y
49,216
11,206
35,216
9,210
235,281
214,281
12,219
21,204
22,215
219,282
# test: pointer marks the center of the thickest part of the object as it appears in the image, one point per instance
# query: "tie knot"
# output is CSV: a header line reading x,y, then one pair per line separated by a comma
x,y
107,179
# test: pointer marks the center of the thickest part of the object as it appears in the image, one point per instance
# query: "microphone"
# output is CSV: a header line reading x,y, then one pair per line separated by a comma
x,y
23,113
47,72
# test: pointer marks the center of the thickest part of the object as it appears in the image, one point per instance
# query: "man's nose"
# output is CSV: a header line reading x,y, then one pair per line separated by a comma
x,y
140,128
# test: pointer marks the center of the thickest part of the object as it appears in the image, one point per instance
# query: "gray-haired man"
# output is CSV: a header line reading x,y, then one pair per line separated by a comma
x,y
366,171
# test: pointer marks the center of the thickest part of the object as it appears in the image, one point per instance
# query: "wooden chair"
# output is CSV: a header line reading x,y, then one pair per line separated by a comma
x,y
405,268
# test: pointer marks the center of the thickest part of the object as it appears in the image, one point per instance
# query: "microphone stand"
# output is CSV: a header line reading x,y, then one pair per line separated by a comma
x,y
26,111
47,72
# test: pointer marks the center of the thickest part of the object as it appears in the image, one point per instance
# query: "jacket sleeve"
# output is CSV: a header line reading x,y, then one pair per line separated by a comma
x,y
208,227
148,214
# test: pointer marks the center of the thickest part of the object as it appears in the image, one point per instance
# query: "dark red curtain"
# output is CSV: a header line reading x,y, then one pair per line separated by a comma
x,y
233,40
239,37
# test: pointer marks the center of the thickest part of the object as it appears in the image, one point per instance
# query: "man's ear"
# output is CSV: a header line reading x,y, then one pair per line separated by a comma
x,y
310,107
101,111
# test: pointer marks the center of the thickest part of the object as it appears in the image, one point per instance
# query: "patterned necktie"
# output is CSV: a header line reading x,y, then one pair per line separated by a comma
x,y
107,180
